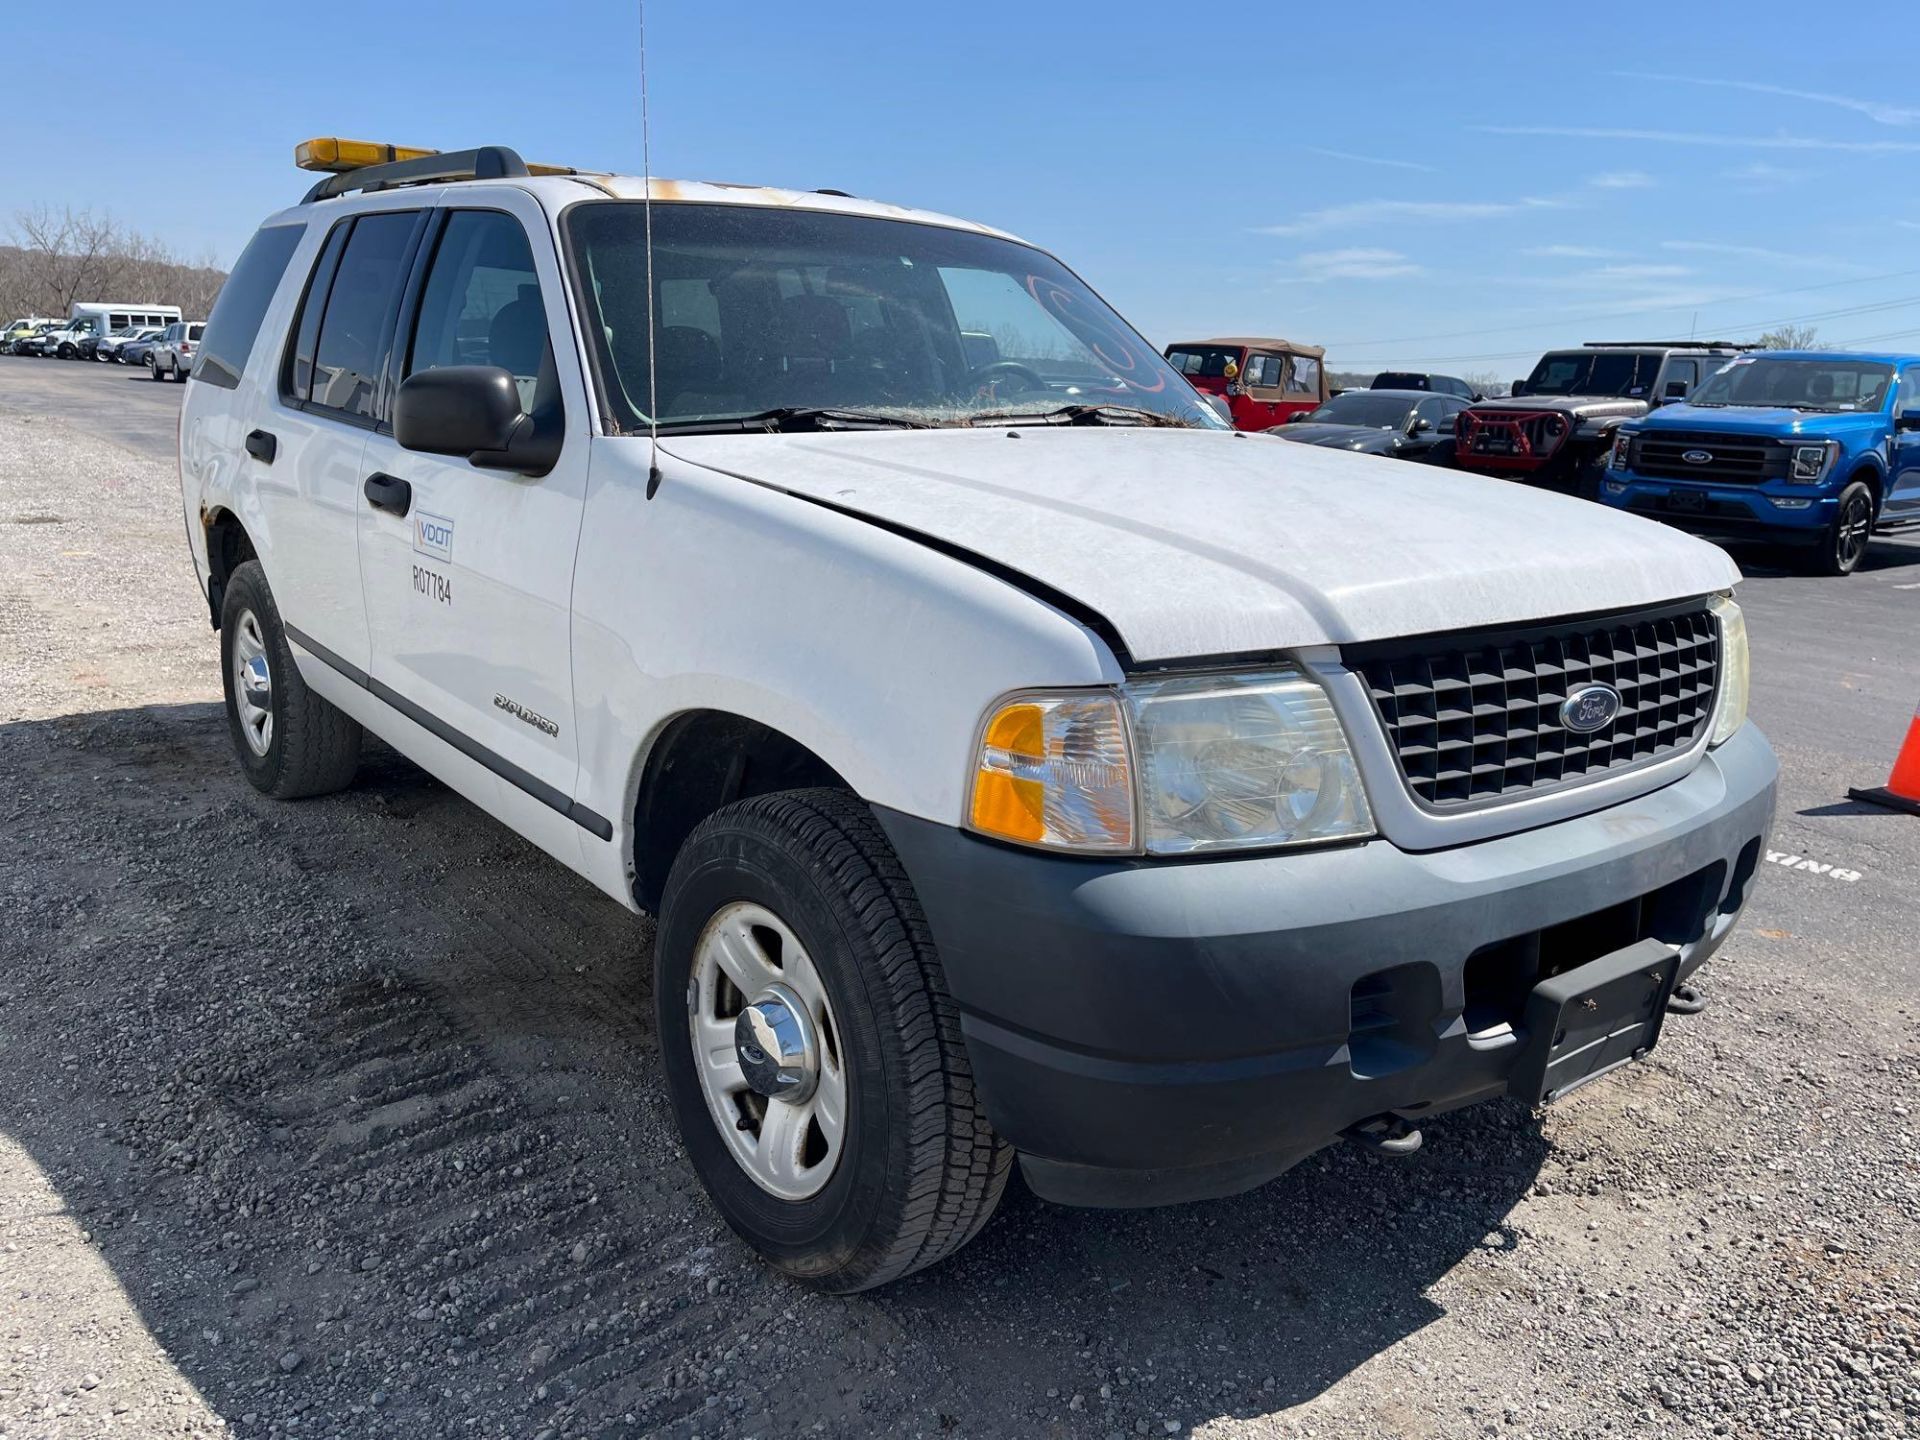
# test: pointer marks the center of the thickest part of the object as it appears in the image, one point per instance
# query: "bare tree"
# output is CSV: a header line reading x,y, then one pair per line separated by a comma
x,y
1793,337
67,256
1486,382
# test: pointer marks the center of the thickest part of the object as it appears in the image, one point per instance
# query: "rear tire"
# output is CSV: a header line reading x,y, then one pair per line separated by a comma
x,y
1843,546
915,1169
291,743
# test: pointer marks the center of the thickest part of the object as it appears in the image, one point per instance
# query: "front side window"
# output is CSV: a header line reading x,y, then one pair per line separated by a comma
x,y
350,349
1826,385
481,304
767,310
242,304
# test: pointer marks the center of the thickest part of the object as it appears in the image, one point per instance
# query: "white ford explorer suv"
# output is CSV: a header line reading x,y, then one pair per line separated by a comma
x,y
1019,761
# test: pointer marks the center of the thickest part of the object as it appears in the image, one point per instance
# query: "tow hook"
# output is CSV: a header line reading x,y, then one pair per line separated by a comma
x,y
1686,1000
1384,1135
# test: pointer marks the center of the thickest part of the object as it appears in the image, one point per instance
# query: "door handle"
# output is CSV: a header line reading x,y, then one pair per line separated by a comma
x,y
389,493
262,445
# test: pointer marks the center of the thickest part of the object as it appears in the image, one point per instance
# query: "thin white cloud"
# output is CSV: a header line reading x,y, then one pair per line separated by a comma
x,y
1351,264
1761,175
1373,160
1756,252
1877,110
1570,252
1727,142
1635,273
1622,180
1371,212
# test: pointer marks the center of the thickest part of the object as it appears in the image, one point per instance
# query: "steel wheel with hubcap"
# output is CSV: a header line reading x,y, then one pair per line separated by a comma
x,y
290,741
811,1051
253,683
767,1051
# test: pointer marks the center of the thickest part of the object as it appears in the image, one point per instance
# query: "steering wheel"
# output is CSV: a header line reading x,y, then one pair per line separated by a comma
x,y
986,380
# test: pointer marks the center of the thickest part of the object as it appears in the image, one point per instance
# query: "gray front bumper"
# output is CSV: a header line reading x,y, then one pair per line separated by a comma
x,y
1146,1031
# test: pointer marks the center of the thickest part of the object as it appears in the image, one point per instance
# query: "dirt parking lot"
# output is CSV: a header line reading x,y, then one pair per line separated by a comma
x,y
343,1118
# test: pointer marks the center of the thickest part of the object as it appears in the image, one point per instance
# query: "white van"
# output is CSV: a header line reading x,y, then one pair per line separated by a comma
x,y
96,321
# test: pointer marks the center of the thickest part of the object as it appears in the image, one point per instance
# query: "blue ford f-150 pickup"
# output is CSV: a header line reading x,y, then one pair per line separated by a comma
x,y
1807,447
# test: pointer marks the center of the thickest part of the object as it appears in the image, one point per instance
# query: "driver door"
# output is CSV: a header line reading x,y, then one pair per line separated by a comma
x,y
1903,487
469,582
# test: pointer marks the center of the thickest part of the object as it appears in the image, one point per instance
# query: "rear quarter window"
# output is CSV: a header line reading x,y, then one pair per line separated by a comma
x,y
235,323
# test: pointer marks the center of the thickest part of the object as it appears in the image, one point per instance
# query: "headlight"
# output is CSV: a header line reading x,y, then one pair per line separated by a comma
x,y
1205,763
1810,462
1735,671
1621,444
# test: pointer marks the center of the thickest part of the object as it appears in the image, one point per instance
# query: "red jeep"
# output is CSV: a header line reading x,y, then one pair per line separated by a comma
x,y
1264,381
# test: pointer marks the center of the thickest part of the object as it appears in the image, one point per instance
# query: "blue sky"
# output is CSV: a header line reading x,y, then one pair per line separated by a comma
x,y
1451,187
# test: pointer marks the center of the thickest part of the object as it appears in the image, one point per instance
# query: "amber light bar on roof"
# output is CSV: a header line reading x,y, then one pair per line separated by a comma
x,y
331,153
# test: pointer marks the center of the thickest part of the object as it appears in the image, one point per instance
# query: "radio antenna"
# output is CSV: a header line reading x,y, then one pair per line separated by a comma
x,y
646,164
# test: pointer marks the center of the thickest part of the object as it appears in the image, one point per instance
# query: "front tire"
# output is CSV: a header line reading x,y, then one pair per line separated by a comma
x,y
291,743
794,906
1843,546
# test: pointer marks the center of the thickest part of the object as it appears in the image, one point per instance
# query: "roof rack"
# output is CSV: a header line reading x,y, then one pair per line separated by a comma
x,y
1668,345
488,162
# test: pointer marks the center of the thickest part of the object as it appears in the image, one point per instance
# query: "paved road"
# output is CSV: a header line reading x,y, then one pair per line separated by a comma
x,y
117,403
352,1106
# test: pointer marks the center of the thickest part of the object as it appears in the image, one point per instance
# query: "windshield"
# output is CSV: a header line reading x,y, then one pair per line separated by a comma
x,y
1626,373
1393,380
764,310
1363,407
1209,362
1831,385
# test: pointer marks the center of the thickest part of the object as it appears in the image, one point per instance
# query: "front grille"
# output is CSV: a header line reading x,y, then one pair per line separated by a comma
x,y
1730,459
1476,718
1511,438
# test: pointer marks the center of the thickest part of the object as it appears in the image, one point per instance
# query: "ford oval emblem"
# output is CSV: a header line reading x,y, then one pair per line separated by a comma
x,y
1697,457
1590,708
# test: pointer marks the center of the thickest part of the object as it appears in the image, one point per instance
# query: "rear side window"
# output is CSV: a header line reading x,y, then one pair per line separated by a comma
x,y
350,350
242,305
481,304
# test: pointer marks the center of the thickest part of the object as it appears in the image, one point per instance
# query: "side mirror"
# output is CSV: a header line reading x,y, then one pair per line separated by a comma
x,y
1420,426
472,411
1907,420
1519,387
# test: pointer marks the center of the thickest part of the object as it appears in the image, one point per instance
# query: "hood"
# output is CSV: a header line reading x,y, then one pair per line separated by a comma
x,y
1586,407
1753,420
1367,439
1200,543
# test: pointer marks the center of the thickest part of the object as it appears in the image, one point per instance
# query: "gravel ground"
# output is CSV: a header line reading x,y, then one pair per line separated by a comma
x,y
342,1118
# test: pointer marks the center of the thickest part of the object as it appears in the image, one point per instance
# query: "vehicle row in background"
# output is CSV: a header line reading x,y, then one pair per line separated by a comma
x,y
1556,426
1810,448
81,334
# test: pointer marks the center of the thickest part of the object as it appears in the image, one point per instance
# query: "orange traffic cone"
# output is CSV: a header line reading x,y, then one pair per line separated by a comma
x,y
1902,790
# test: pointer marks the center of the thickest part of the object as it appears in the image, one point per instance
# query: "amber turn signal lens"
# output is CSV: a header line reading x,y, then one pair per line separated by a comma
x,y
1055,770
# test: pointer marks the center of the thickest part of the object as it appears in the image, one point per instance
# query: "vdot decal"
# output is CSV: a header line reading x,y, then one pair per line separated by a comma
x,y
433,535
520,712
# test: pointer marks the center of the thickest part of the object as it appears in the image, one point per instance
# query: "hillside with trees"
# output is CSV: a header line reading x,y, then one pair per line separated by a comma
x,y
58,257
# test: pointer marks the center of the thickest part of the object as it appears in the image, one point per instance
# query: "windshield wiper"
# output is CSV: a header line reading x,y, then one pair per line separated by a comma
x,y
793,418
1083,414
